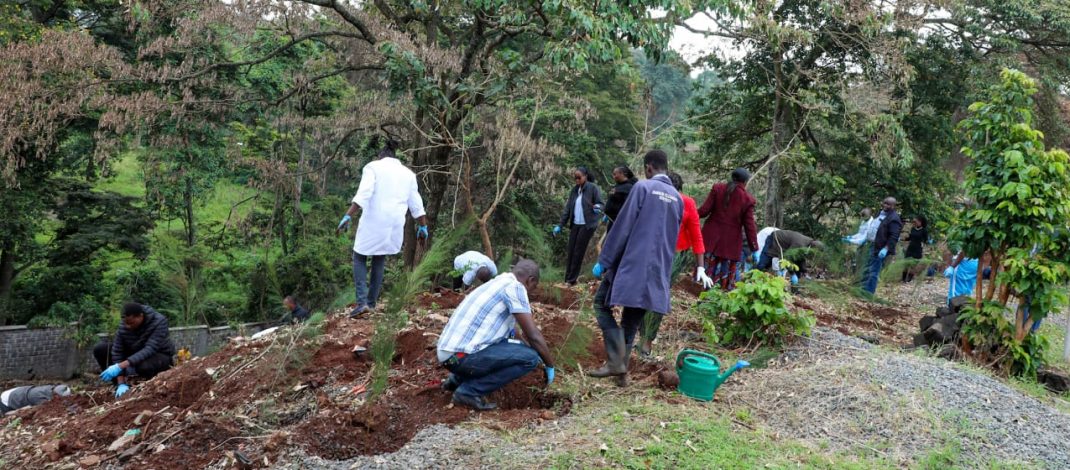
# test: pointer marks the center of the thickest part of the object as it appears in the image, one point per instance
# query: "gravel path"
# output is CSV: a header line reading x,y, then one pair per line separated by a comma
x,y
838,391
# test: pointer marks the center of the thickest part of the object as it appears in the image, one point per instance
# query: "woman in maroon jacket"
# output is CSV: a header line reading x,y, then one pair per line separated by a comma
x,y
728,209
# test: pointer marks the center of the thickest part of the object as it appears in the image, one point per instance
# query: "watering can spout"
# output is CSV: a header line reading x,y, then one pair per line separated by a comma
x,y
739,365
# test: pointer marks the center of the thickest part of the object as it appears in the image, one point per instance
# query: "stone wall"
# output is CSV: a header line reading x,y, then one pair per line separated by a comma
x,y
49,353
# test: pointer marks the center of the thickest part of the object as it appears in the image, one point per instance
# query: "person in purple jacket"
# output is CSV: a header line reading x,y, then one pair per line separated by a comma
x,y
636,263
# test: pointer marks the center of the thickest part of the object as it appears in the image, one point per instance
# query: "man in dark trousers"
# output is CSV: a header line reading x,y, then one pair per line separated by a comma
x,y
883,243
636,263
141,348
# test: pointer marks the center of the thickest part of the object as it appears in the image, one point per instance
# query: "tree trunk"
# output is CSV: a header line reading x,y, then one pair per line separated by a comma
x,y
187,201
772,209
433,190
979,287
7,278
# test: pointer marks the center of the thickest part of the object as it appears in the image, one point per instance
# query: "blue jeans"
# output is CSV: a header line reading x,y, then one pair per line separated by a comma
x,y
367,295
873,274
481,373
765,261
630,318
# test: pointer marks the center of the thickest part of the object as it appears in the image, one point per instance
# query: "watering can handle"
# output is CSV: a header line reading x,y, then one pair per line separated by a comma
x,y
691,352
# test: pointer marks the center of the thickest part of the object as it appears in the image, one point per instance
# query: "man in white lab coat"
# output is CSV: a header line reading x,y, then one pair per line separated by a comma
x,y
387,191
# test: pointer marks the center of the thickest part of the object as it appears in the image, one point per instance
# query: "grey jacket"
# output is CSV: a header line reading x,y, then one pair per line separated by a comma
x,y
29,395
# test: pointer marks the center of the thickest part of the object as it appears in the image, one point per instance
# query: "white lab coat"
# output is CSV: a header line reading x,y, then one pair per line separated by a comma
x,y
387,190
469,262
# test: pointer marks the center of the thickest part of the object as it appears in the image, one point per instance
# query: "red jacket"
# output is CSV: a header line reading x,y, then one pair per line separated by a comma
x,y
690,233
723,231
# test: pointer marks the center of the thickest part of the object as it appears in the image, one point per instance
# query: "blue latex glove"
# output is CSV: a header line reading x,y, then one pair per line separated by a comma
x,y
757,256
549,375
794,279
846,239
121,390
597,270
605,219
344,224
557,230
883,253
949,272
421,232
597,209
110,373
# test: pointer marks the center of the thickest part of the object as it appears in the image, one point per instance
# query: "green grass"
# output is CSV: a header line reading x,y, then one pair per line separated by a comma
x,y
1056,334
647,433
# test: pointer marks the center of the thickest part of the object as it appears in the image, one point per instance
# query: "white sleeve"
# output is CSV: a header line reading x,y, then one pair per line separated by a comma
x,y
416,203
366,188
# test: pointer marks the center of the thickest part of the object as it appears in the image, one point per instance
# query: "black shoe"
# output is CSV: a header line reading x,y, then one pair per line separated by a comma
x,y
359,311
450,384
475,403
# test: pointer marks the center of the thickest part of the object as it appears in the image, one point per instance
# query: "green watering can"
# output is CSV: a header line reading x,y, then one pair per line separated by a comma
x,y
700,375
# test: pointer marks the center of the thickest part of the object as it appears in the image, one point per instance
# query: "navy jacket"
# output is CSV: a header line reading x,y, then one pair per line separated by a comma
x,y
639,249
591,196
140,344
888,233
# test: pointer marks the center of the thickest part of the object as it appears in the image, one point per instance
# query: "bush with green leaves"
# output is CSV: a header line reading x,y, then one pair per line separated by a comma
x,y
1020,211
755,312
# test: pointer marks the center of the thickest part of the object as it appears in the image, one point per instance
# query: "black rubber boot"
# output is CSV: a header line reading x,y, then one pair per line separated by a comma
x,y
622,379
616,354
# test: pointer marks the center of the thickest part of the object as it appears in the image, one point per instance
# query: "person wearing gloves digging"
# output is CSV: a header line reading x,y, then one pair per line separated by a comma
x,y
581,215
778,243
883,243
690,237
636,263
475,345
142,348
387,191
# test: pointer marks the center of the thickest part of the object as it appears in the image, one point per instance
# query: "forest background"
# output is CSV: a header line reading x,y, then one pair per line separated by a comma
x,y
196,155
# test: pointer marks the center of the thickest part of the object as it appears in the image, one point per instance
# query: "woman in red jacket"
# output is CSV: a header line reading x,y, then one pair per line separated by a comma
x,y
690,237
729,210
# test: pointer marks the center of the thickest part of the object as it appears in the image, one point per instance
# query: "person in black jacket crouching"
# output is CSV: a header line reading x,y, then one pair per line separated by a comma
x,y
142,348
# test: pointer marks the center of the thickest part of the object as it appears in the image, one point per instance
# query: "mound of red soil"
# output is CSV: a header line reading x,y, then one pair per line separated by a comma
x,y
313,391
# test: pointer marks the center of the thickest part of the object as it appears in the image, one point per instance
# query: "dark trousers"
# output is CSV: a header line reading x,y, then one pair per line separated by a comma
x,y
367,294
630,318
579,236
146,369
873,274
481,373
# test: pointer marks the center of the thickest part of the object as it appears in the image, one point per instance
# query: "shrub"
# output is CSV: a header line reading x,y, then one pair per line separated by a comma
x,y
755,310
992,338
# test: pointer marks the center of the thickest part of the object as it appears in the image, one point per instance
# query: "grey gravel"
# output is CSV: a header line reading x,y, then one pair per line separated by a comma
x,y
839,392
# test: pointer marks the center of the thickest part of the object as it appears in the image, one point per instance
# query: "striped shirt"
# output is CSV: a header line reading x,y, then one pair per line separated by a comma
x,y
485,317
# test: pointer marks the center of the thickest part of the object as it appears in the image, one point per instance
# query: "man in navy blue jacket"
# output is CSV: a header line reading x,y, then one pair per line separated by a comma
x,y
142,347
636,263
884,243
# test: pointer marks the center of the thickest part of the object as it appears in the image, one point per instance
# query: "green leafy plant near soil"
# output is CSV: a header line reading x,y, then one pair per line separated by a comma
x,y
755,310
1017,225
